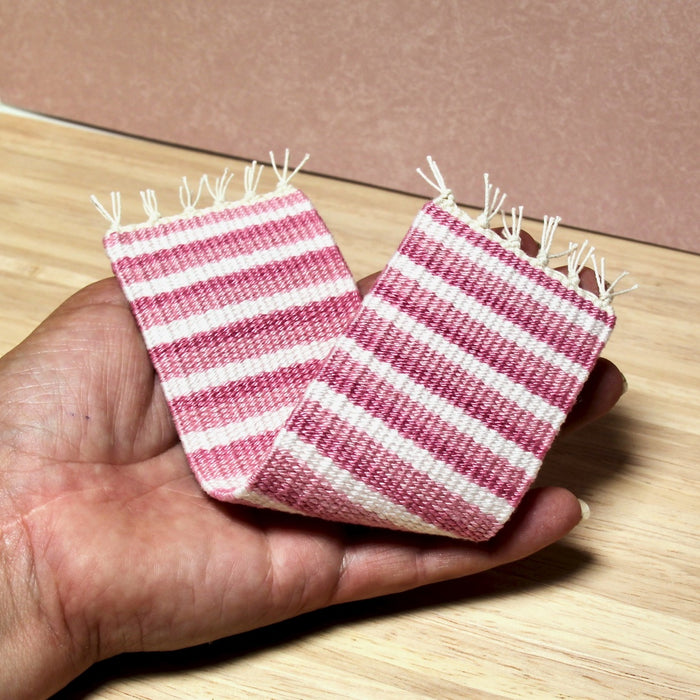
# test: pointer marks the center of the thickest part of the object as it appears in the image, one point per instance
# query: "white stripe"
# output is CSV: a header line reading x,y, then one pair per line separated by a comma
x,y
421,459
183,236
226,487
215,318
518,393
442,234
259,500
238,430
224,266
444,410
354,489
495,322
250,367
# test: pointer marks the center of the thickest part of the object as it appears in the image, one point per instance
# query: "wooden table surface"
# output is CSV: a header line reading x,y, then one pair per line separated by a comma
x,y
610,612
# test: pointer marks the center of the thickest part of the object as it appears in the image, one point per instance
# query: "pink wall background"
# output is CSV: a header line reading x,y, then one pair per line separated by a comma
x,y
586,110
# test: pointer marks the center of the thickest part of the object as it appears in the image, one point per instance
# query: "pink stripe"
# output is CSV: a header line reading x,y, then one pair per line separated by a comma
x,y
229,214
237,459
480,341
194,419
214,354
501,297
254,337
474,397
291,482
281,276
525,268
369,461
412,420
236,400
251,240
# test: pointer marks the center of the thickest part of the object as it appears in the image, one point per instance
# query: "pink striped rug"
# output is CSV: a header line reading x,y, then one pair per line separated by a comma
x,y
428,406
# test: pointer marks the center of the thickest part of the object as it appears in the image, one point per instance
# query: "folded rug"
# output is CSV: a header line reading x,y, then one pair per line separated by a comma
x,y
428,406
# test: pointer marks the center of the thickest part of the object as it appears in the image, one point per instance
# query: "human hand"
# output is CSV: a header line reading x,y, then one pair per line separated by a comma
x,y
109,545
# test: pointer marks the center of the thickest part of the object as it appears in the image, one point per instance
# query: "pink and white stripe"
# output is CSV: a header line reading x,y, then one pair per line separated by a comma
x,y
448,387
427,407
238,307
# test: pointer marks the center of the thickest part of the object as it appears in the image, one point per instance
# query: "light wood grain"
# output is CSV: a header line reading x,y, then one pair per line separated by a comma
x,y
610,613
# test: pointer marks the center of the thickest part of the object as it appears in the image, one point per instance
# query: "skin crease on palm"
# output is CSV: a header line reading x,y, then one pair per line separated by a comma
x,y
109,545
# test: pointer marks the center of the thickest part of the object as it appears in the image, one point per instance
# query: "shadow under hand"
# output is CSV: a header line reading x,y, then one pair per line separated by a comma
x,y
586,460
550,566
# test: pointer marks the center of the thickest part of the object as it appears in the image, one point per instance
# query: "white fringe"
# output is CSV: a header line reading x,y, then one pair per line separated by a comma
x,y
492,204
190,199
189,203
438,183
548,229
511,237
115,217
284,177
606,291
251,179
577,259
218,192
150,205
578,256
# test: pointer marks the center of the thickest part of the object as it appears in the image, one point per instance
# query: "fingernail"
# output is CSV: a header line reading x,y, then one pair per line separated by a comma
x,y
625,385
585,510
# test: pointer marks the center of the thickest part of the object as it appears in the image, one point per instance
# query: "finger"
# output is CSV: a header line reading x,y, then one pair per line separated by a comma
x,y
380,565
602,390
105,291
366,283
528,244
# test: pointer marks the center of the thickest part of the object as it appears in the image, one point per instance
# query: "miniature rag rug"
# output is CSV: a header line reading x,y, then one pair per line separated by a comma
x,y
428,406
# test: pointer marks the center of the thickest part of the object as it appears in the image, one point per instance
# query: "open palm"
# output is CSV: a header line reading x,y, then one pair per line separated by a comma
x,y
109,542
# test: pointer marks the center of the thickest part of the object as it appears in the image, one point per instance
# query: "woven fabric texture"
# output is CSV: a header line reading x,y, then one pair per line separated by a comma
x,y
428,406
